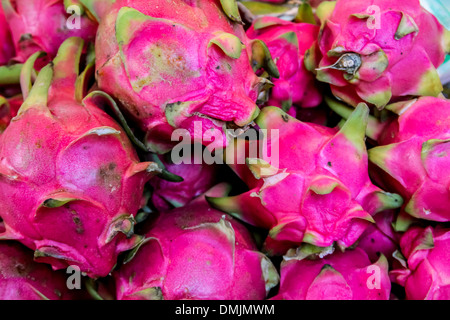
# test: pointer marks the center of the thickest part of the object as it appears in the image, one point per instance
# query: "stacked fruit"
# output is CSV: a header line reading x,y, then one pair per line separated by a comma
x,y
178,149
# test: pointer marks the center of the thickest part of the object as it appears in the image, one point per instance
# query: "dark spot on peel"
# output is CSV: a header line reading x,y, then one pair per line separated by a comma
x,y
76,219
20,269
108,176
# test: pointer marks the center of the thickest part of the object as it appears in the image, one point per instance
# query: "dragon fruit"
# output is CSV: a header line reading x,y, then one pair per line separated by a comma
x,y
7,51
381,237
21,278
379,52
319,192
177,63
287,42
196,252
70,180
43,25
425,256
198,178
420,137
308,275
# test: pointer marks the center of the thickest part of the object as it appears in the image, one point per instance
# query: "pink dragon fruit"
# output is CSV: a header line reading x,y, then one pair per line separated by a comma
x,y
425,256
6,45
381,237
349,275
379,52
70,180
176,63
21,278
43,25
420,137
287,42
319,192
196,252
198,178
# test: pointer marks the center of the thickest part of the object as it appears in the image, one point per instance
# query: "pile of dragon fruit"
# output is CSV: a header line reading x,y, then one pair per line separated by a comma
x,y
224,150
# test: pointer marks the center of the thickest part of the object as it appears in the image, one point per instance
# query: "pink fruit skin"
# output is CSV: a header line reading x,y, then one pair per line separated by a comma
x,y
197,179
420,137
21,278
340,276
319,192
70,180
287,43
168,74
427,275
196,253
398,59
380,237
6,45
41,25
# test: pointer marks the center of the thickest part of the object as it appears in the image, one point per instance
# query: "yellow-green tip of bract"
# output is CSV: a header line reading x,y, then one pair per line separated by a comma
x,y
231,9
39,93
354,128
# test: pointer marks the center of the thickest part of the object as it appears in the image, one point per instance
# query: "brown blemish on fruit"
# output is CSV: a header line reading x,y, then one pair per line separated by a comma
x,y
76,219
109,177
